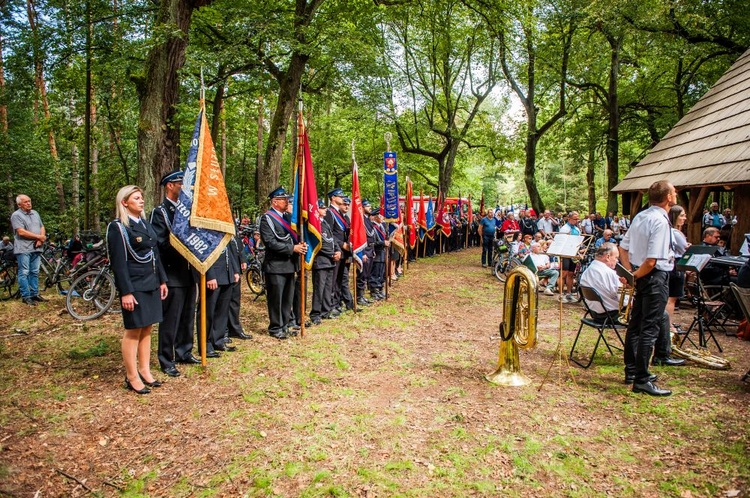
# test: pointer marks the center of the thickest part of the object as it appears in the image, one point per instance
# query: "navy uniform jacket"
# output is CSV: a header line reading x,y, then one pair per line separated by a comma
x,y
178,269
324,259
340,233
371,237
279,244
134,257
380,236
225,266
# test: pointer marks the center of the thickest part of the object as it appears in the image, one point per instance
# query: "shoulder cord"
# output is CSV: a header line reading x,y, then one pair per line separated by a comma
x,y
147,258
273,229
166,218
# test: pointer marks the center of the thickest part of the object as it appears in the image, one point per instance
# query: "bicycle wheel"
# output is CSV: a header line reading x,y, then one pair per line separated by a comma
x,y
90,295
511,264
8,284
254,279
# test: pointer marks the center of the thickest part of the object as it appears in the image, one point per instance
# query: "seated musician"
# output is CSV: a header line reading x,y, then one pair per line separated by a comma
x,y
544,269
601,276
713,274
607,236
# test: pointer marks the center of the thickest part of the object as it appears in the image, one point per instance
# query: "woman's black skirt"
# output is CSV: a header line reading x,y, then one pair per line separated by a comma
x,y
146,312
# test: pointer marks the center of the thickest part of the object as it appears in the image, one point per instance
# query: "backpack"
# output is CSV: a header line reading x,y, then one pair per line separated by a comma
x,y
743,330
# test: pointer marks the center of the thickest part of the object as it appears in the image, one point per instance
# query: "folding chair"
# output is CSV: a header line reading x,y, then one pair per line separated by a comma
x,y
743,300
608,323
708,313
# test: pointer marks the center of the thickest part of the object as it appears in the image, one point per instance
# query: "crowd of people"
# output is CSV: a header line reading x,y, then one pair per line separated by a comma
x,y
157,284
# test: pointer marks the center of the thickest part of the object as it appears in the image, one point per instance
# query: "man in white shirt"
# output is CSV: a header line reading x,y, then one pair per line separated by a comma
x,y
647,251
546,224
587,224
544,269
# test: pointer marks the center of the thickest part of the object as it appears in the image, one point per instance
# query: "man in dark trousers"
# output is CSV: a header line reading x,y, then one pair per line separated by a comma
x,y
224,273
363,275
176,330
377,276
281,261
234,326
339,228
323,269
647,251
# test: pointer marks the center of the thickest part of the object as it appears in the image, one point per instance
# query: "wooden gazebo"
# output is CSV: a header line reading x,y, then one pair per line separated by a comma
x,y
707,152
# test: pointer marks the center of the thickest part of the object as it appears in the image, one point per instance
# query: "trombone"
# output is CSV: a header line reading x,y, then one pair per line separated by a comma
x,y
625,303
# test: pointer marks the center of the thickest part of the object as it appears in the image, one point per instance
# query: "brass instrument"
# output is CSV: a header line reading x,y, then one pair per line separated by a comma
x,y
700,356
518,328
625,303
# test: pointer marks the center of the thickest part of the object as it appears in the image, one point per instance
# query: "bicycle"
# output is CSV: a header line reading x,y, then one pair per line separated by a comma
x,y
254,276
59,269
91,294
8,280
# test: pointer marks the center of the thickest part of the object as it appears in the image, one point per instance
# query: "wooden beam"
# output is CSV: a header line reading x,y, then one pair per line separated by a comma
x,y
635,203
742,211
694,211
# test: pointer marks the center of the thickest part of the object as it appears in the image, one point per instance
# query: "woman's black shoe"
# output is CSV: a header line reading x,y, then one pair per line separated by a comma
x,y
128,385
155,383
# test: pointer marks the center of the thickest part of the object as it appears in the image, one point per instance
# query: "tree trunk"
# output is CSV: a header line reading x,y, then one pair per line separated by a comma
x,y
158,138
216,107
591,179
529,173
289,85
41,87
4,127
94,221
613,127
259,153
223,141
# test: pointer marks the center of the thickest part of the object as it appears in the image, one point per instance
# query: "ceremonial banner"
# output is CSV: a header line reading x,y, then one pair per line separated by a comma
x,y
459,206
430,219
471,213
410,214
390,182
481,206
358,235
305,196
421,218
443,218
397,235
203,223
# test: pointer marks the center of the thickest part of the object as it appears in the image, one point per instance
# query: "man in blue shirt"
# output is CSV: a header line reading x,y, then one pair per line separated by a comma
x,y
487,226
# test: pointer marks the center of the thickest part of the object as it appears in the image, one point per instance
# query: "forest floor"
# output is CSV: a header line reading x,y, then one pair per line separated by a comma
x,y
389,402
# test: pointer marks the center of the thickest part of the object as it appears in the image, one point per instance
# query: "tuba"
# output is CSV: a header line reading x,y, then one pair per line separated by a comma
x,y
701,356
518,328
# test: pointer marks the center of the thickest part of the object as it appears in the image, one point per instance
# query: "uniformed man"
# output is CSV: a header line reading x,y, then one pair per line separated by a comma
x,y
363,275
220,277
339,228
280,262
234,326
323,270
377,276
176,330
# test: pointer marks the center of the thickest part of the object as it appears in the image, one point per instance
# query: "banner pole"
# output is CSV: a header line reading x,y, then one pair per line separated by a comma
x,y
203,320
354,279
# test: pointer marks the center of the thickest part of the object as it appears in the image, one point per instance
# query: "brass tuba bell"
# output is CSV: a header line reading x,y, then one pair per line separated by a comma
x,y
518,328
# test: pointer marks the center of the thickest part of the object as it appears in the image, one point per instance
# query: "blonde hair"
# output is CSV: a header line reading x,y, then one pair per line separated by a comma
x,y
123,195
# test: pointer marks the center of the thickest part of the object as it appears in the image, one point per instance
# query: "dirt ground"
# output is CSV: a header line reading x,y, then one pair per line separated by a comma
x,y
391,401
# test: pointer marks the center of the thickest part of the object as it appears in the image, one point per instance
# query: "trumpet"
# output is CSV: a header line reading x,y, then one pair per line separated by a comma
x,y
625,303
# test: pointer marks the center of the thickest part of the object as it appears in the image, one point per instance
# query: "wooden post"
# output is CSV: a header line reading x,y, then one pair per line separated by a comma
x,y
741,209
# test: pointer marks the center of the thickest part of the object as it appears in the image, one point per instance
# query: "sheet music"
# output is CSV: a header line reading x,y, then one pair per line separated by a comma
x,y
565,245
623,272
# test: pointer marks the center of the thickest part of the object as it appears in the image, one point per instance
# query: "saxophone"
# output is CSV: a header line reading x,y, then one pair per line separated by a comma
x,y
518,328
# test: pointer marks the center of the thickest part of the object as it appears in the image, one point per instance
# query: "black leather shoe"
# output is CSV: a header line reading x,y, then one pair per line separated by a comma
x,y
280,336
225,347
155,383
362,302
650,389
316,321
171,371
29,301
629,379
39,299
294,327
128,385
668,362
241,335
190,360
213,354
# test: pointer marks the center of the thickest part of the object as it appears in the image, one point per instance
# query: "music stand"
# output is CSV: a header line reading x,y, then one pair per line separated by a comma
x,y
563,246
694,260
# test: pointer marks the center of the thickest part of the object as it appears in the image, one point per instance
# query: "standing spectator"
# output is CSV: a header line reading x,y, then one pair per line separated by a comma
x,y
546,224
624,224
30,235
587,224
647,251
510,224
599,224
713,218
486,230
141,280
568,266
526,223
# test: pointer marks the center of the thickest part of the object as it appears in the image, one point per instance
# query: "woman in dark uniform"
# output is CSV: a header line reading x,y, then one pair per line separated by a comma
x,y
141,280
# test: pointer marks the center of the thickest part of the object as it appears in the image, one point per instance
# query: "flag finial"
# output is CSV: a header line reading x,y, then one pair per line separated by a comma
x,y
353,142
388,137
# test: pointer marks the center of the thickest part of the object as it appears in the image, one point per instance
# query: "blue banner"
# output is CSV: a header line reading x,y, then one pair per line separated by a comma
x,y
200,246
390,180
